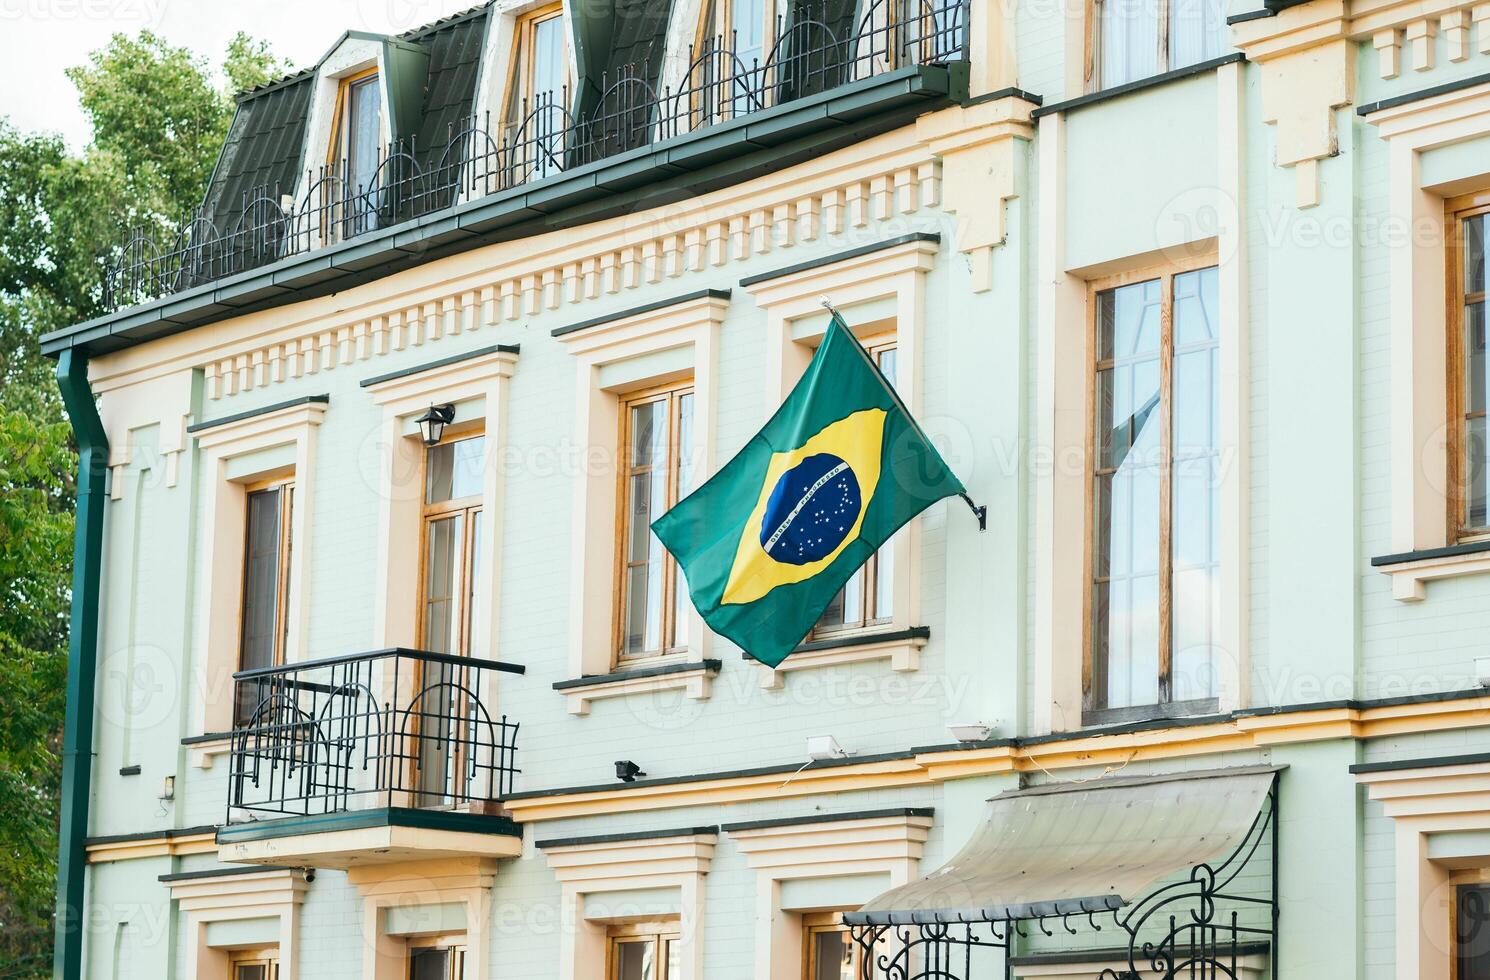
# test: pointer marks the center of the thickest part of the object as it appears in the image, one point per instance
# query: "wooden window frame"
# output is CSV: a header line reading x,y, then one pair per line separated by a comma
x,y
1456,210
267,957
520,63
430,513
286,487
672,393
815,923
660,932
874,346
455,942
1166,274
339,125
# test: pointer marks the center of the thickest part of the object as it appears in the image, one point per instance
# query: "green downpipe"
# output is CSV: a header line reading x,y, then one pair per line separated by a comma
x,y
82,662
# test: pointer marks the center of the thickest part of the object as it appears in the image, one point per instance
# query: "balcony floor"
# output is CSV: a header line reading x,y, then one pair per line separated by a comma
x,y
358,838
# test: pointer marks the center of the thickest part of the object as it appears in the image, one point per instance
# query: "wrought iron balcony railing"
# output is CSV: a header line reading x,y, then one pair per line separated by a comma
x,y
391,728
542,137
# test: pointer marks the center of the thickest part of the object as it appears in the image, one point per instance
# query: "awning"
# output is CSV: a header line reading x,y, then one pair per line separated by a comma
x,y
1070,848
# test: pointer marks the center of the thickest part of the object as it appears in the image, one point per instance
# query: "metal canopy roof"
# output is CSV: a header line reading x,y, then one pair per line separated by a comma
x,y
1073,848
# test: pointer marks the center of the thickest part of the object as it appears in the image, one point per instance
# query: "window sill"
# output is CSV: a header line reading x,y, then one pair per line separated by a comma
x,y
1145,713
1412,571
902,647
694,679
203,750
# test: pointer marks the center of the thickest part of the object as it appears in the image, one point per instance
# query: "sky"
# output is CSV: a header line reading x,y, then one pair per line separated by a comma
x,y
39,39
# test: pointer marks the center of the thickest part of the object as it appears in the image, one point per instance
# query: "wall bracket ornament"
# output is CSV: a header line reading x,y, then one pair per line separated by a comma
x,y
980,148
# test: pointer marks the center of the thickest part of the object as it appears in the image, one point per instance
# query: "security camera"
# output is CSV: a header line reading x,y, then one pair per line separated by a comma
x,y
309,874
627,771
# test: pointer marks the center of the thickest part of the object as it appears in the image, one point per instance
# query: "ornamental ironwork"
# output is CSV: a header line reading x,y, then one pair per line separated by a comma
x,y
541,137
389,728
1200,926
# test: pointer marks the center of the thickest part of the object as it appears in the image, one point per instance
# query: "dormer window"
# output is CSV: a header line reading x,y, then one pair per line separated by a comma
x,y
744,28
533,124
356,145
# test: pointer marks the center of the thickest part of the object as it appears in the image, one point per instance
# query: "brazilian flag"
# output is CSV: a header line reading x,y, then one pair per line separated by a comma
x,y
769,540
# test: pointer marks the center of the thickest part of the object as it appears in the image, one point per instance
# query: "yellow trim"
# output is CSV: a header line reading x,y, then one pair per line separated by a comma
x,y
105,852
927,768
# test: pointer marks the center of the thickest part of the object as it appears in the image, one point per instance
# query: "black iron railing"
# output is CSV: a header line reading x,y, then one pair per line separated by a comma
x,y
1201,926
389,728
539,137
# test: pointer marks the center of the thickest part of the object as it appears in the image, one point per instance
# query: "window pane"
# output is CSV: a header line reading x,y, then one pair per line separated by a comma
x,y
1472,932
444,540
673,955
1476,385
1196,483
634,960
364,136
1474,252
884,582
1125,628
1479,472
646,501
1197,31
429,964
548,56
748,27
1130,40
250,971
474,588
454,470
832,956
261,580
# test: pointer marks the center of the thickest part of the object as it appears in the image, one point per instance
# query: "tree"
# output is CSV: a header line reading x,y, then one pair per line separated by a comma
x,y
159,119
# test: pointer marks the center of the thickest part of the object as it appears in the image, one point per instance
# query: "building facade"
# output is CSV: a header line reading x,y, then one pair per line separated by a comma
x,y
377,671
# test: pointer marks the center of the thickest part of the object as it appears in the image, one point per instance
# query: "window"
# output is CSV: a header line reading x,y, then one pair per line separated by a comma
x,y
1154,587
266,585
734,43
1469,372
1137,39
644,951
357,143
830,951
742,26
1471,924
439,961
453,476
537,102
867,599
257,965
656,472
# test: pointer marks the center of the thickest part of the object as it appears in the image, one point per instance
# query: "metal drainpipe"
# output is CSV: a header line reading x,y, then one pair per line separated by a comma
x,y
82,661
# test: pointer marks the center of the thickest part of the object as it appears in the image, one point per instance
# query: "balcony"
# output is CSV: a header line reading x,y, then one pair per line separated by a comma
x,y
821,86
369,758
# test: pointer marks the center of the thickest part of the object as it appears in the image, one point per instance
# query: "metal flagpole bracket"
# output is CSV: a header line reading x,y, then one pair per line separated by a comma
x,y
980,512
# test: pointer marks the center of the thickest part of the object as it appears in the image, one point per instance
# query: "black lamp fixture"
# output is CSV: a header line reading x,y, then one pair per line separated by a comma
x,y
432,423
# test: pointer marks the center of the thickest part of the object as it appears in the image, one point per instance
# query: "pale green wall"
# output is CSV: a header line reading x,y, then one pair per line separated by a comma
x,y
1141,169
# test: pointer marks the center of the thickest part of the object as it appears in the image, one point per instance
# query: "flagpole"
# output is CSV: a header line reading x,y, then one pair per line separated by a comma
x,y
979,511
